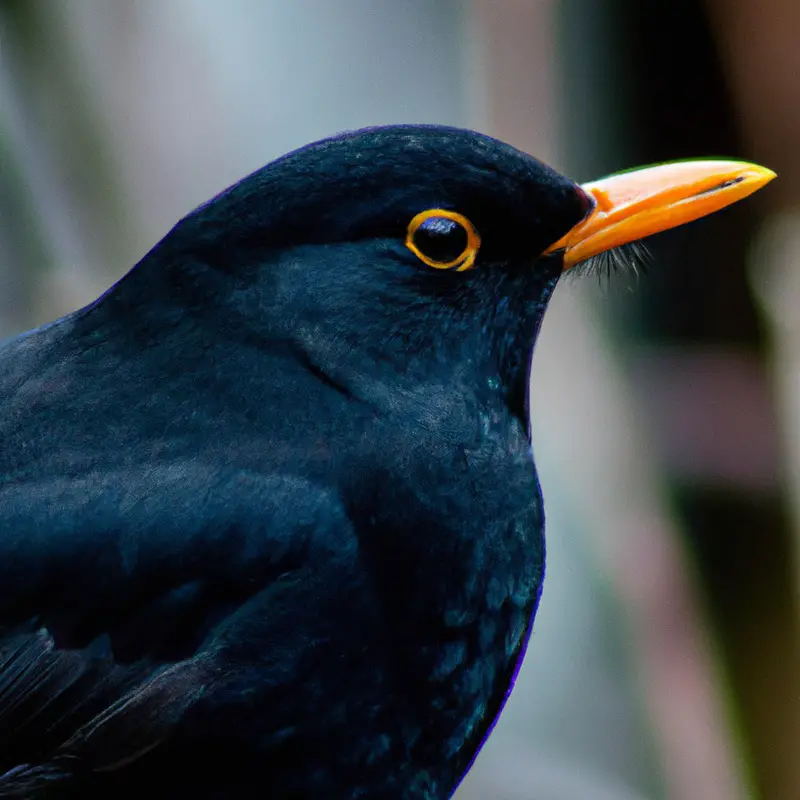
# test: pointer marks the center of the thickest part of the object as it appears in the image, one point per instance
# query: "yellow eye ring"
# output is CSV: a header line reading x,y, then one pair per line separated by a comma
x,y
465,260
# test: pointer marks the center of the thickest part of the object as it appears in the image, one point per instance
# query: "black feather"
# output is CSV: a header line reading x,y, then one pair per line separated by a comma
x,y
272,496
631,258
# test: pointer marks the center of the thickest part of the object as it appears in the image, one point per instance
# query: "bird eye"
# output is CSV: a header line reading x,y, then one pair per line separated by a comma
x,y
443,239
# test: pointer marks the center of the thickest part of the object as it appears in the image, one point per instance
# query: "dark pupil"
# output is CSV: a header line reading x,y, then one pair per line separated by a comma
x,y
441,239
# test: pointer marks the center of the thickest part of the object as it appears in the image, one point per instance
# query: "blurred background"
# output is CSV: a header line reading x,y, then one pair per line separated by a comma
x,y
666,407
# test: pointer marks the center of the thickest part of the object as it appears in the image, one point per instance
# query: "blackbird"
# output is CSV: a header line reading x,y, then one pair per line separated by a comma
x,y
270,524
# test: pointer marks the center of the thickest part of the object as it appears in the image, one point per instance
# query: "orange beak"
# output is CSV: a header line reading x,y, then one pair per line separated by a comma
x,y
635,204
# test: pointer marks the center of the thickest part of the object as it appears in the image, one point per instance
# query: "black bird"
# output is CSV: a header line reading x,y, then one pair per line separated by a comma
x,y
270,524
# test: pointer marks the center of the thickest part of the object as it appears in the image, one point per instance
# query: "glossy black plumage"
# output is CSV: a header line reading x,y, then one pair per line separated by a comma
x,y
269,521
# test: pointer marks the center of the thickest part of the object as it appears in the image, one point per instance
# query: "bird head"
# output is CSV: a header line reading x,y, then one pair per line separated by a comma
x,y
411,256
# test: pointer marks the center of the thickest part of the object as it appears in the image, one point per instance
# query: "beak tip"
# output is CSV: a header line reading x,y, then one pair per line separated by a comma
x,y
767,175
757,169
757,177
